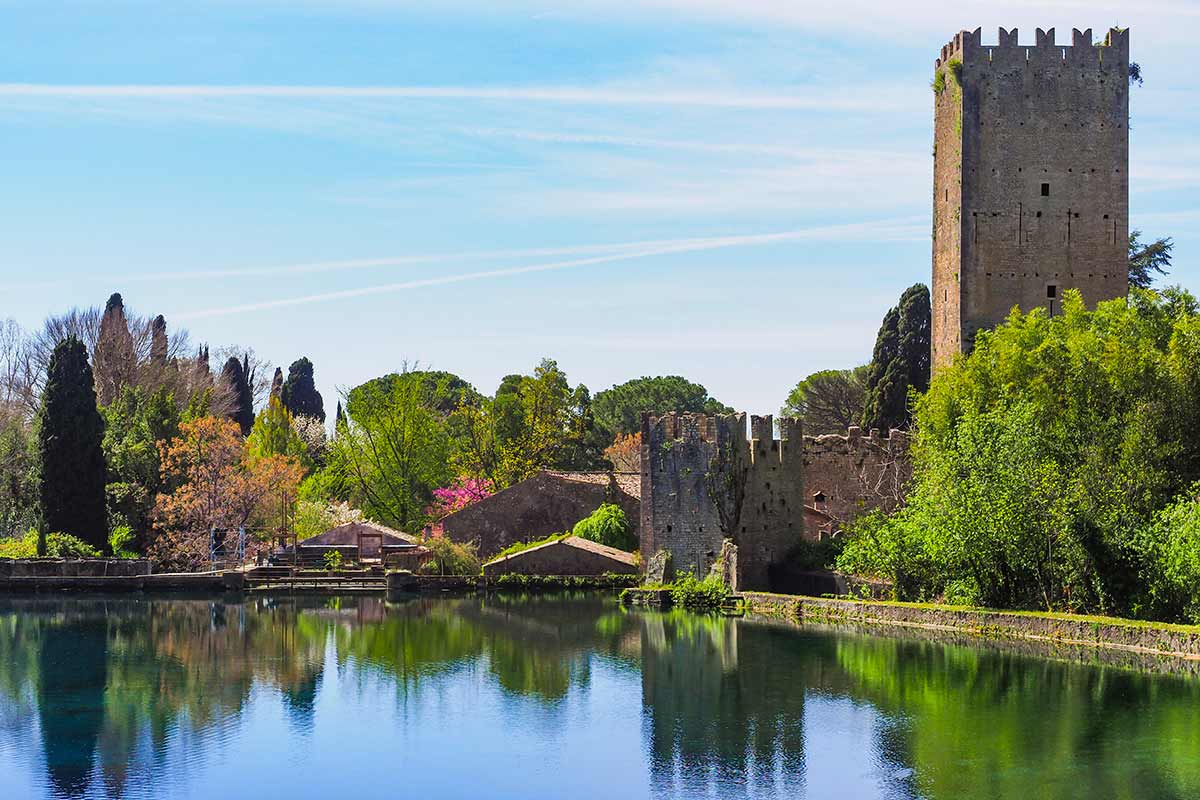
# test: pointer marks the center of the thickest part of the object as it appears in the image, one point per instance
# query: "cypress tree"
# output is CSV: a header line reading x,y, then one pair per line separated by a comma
x,y
300,395
158,341
900,362
115,358
277,384
70,454
242,413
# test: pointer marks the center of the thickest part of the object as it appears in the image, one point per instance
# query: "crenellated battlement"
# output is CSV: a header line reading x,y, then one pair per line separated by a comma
x,y
968,47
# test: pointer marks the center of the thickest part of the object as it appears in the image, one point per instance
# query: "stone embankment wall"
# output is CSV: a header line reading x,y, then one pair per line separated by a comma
x,y
1172,640
61,567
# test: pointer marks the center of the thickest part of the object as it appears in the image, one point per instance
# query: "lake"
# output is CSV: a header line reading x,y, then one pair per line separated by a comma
x,y
555,697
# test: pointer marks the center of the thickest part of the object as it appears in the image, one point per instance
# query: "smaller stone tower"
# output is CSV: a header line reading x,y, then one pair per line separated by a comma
x,y
704,483
1031,178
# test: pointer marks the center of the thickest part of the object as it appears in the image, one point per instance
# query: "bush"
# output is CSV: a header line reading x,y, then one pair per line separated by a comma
x,y
119,541
58,545
696,595
448,558
333,559
608,526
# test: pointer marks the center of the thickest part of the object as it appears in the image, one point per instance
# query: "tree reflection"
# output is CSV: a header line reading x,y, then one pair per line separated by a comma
x,y
72,674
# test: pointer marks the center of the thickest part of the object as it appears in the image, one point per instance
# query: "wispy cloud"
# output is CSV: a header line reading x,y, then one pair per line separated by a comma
x,y
803,98
903,226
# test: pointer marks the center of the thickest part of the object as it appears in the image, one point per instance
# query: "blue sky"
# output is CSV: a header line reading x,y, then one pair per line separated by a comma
x,y
734,192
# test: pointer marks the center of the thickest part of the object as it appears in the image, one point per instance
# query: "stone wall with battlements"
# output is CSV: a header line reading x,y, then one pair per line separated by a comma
x,y
704,481
856,473
1031,178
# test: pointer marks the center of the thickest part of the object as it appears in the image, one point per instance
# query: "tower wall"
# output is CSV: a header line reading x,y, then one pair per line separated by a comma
x,y
1031,178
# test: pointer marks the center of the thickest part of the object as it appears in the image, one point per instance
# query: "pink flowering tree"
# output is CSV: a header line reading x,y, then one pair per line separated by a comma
x,y
461,493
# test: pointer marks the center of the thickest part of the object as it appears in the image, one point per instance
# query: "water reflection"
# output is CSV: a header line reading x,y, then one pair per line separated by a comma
x,y
145,698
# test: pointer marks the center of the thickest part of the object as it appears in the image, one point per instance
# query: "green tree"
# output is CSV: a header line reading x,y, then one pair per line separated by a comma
x,y
1041,456
1148,259
300,393
234,376
136,424
392,453
274,434
829,401
70,453
619,410
442,392
900,363
607,525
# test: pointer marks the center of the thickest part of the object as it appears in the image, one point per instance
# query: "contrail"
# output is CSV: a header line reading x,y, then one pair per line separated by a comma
x,y
806,99
895,227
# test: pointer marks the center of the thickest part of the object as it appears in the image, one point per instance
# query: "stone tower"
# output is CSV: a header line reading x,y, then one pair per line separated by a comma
x,y
1031,178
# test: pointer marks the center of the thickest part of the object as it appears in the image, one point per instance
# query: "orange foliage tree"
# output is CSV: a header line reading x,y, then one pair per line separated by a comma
x,y
217,485
626,453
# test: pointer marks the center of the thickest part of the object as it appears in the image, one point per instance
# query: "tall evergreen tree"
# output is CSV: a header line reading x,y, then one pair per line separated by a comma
x,y
234,374
300,395
115,358
900,362
158,341
277,385
70,454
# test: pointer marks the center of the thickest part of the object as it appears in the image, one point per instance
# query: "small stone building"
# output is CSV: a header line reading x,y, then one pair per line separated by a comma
x,y
540,506
362,541
569,556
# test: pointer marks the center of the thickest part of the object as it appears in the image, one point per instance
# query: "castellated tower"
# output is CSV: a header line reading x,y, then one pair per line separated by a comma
x,y
1031,178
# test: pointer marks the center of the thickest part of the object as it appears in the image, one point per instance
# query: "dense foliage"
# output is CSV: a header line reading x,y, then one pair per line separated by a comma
x,y
901,361
71,469
236,375
619,409
609,526
1056,467
299,392
1148,259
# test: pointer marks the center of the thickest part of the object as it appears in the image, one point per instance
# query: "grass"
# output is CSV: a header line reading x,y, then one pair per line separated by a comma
x,y
519,547
1053,615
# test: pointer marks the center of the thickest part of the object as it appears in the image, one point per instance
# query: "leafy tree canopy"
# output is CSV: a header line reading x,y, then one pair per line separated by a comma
x,y
299,392
829,401
607,525
1043,460
619,410
1148,259
442,392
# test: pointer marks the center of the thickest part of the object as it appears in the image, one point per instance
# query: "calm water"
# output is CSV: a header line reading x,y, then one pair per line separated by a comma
x,y
554,698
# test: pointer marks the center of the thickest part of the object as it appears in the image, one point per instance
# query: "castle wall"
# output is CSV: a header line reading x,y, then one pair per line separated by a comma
x,y
1031,183
703,482
856,473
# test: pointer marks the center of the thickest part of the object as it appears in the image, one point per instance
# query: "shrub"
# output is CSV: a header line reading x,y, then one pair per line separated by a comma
x,y
448,558
120,540
58,545
608,526
697,595
333,559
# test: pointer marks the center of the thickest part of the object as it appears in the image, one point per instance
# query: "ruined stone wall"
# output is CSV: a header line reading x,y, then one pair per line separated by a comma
x,y
704,482
1031,179
856,473
533,509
